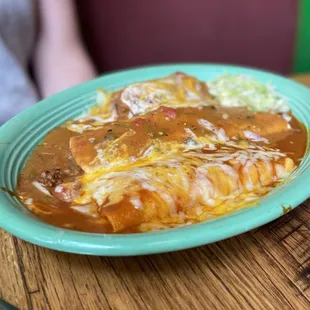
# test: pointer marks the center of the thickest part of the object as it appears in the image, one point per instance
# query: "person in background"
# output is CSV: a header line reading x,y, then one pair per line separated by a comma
x,y
122,34
43,36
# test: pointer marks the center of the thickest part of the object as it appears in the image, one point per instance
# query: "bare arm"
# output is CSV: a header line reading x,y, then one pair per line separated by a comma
x,y
60,60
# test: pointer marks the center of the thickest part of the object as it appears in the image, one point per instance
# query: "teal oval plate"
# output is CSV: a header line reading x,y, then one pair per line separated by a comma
x,y
20,135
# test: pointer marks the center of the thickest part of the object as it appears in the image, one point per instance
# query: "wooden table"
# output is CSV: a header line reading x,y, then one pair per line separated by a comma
x,y
267,268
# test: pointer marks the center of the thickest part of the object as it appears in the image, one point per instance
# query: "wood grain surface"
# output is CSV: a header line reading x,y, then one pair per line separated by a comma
x,y
266,268
302,78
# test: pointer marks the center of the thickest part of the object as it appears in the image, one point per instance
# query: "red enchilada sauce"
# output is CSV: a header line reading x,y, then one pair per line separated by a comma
x,y
52,163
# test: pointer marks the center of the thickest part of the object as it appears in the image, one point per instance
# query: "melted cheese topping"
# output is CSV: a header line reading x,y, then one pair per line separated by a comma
x,y
141,98
163,154
188,184
193,177
146,97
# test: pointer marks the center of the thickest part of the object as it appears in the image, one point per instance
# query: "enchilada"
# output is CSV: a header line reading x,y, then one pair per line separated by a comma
x,y
162,154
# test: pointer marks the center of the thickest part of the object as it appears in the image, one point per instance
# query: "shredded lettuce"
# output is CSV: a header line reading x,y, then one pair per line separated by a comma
x,y
245,91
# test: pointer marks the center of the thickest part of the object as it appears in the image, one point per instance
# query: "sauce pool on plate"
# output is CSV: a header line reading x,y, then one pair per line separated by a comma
x,y
163,154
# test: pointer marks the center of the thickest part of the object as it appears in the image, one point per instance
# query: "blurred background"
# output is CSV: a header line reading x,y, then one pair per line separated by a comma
x,y
259,33
49,45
